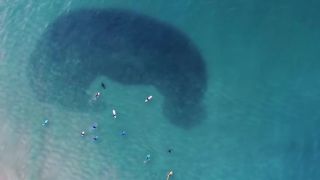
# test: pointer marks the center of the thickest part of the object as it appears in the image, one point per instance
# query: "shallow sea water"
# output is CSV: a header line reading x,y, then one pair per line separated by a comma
x,y
261,101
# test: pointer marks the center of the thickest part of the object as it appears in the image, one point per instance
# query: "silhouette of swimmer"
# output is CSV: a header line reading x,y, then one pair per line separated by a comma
x,y
95,138
83,133
103,86
45,122
170,150
169,175
94,125
147,158
123,133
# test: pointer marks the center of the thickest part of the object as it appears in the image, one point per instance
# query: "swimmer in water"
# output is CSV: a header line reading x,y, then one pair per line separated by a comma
x,y
94,125
123,133
170,150
45,122
147,158
103,86
83,133
114,113
95,138
98,95
149,98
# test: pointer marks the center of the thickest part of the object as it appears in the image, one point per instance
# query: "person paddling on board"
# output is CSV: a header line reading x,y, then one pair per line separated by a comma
x,y
123,133
114,113
95,138
98,95
147,158
149,98
45,122
169,175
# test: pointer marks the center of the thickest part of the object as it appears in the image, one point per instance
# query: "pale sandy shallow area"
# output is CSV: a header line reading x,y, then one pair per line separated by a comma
x,y
7,174
13,150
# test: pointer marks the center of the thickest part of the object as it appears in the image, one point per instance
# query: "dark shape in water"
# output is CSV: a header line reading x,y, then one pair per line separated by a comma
x,y
127,47
103,86
95,138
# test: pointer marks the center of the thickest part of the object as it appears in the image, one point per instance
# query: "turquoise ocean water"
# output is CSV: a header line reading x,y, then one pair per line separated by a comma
x,y
259,92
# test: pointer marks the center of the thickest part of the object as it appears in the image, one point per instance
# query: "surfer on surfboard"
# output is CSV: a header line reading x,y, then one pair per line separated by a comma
x,y
149,98
114,113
